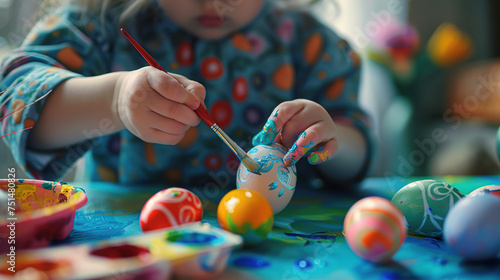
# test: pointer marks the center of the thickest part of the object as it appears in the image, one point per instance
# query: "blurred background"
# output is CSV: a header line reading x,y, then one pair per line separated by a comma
x,y
430,79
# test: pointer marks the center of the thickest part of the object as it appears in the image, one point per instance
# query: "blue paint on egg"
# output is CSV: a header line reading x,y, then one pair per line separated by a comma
x,y
273,185
282,191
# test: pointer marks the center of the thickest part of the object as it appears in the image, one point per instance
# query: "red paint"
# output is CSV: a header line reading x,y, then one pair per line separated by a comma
x,y
120,251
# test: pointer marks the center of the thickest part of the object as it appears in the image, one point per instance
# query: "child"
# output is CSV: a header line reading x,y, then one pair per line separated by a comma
x,y
242,59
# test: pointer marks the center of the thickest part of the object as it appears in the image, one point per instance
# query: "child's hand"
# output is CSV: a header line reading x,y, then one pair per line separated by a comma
x,y
157,107
308,121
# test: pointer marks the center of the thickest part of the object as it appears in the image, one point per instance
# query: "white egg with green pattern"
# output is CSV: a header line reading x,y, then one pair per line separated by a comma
x,y
276,181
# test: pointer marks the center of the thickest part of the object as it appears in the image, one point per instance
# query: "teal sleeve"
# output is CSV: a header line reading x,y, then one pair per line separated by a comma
x,y
62,46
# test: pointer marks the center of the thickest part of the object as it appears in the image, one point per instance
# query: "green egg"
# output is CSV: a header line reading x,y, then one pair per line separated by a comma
x,y
425,205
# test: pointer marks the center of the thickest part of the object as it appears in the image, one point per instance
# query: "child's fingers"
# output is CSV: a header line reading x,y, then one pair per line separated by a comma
x,y
170,88
309,139
172,110
192,86
280,116
324,152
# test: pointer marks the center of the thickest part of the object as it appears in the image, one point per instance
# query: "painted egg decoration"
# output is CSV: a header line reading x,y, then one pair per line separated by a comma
x,y
491,189
425,204
472,227
247,213
374,229
276,181
170,207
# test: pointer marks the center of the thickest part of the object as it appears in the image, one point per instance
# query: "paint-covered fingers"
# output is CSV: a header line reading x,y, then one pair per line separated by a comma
x,y
317,142
280,116
324,152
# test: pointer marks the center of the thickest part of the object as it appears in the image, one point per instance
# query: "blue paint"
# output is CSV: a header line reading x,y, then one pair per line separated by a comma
x,y
250,262
192,238
315,235
389,275
273,185
47,186
281,192
308,263
441,261
78,189
207,263
21,181
433,241
98,225
303,264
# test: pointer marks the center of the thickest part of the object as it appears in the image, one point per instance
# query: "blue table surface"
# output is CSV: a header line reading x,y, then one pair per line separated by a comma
x,y
306,241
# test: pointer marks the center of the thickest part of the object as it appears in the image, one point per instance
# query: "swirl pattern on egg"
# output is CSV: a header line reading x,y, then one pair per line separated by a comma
x,y
170,207
276,181
374,229
425,204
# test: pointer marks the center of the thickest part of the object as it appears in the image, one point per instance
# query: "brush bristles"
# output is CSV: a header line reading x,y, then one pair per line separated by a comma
x,y
251,164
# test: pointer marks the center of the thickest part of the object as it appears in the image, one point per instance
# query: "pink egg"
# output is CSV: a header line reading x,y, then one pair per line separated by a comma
x,y
374,229
170,207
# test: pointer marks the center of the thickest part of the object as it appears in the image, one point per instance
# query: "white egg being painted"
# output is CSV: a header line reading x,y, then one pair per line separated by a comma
x,y
276,181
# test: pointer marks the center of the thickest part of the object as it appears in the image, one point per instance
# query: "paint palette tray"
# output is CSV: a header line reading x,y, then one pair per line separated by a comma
x,y
193,250
36,212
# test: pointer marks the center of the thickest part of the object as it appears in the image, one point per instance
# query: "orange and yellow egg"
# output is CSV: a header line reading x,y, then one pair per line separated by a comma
x,y
246,213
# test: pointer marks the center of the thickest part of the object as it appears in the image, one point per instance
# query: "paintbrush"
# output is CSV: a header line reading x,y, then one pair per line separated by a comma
x,y
251,164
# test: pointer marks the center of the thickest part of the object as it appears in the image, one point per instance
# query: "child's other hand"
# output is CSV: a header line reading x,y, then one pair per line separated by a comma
x,y
157,107
302,126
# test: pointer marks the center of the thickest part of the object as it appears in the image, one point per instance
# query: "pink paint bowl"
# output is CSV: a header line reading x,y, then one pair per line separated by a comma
x,y
35,212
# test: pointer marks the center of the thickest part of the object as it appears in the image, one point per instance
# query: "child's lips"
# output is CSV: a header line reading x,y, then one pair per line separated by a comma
x,y
210,20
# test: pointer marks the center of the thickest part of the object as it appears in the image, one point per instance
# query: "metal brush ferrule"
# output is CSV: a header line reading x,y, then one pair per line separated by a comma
x,y
229,142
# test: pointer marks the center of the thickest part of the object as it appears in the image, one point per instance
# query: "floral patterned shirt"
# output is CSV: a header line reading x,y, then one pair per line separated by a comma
x,y
281,55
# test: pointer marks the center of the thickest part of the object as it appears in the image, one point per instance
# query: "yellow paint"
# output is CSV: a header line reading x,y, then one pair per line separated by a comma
x,y
161,249
67,190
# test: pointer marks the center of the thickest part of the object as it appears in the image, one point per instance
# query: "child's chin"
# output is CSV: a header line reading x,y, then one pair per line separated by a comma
x,y
209,34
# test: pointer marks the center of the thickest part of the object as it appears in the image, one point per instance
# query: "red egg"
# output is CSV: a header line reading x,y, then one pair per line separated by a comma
x,y
170,207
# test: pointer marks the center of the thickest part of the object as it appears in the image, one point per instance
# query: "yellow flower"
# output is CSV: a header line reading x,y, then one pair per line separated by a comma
x,y
448,45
